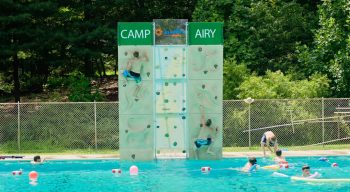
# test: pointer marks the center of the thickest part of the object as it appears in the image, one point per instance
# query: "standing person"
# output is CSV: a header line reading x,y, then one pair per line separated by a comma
x,y
206,134
269,140
133,70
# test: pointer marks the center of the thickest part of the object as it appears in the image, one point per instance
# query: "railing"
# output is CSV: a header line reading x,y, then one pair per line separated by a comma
x,y
300,124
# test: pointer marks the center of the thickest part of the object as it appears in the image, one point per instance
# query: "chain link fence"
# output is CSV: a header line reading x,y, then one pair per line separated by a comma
x,y
299,124
56,127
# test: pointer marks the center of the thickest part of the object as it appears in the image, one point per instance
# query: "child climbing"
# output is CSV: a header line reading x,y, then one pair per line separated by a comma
x,y
133,71
206,135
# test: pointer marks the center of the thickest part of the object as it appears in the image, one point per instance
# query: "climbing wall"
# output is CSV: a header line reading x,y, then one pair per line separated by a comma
x,y
180,65
170,99
205,68
136,127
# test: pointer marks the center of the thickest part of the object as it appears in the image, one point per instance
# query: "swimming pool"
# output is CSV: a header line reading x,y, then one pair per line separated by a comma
x,y
170,175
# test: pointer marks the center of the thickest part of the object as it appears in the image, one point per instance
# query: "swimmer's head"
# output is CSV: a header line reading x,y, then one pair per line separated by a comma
x,y
37,158
279,152
208,123
252,160
306,170
136,54
305,167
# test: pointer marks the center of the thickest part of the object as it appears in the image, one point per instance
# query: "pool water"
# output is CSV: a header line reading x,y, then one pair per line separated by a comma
x,y
170,175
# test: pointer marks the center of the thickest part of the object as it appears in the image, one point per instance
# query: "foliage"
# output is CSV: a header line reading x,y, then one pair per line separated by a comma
x,y
234,75
5,87
81,90
329,53
276,85
43,42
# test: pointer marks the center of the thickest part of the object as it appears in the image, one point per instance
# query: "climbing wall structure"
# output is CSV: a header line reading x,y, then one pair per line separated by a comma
x,y
180,89
136,124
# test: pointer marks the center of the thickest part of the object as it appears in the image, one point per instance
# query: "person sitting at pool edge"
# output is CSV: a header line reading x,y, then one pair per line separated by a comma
x,y
251,165
306,172
37,160
269,140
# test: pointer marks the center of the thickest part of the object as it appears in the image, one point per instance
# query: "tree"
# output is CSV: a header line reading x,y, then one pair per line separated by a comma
x,y
329,53
276,85
23,33
261,34
234,75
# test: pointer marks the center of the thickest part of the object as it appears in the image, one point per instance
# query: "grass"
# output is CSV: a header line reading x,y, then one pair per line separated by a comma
x,y
61,152
225,149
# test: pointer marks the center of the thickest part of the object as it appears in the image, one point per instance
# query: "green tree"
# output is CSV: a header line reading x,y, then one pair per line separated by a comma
x,y
234,75
329,53
276,85
24,31
261,34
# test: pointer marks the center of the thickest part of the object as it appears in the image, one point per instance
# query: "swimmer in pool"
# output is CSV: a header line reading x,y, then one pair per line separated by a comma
x,y
37,160
251,165
306,172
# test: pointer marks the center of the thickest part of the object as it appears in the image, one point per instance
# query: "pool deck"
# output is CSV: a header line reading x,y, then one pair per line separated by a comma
x,y
170,156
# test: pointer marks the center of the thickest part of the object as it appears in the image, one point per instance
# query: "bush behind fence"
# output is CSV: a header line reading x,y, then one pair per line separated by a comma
x,y
56,127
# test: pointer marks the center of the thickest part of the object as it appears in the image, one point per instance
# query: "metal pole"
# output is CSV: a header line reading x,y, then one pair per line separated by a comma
x,y
95,125
18,127
249,126
291,120
323,122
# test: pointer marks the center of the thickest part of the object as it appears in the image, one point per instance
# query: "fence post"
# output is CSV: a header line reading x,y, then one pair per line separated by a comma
x,y
249,100
18,127
249,127
323,122
95,125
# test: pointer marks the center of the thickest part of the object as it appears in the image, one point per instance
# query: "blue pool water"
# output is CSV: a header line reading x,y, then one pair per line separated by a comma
x,y
169,175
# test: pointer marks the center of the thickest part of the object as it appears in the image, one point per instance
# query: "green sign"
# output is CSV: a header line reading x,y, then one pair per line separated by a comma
x,y
205,33
138,33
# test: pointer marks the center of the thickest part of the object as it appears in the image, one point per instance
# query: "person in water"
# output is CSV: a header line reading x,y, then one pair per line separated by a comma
x,y
280,160
306,172
251,165
37,160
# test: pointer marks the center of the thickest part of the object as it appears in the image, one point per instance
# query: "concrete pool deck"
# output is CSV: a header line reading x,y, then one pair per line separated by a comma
x,y
169,156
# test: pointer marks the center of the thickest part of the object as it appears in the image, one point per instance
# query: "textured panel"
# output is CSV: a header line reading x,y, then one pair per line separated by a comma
x,y
205,62
207,93
126,55
136,99
170,97
170,132
136,137
170,62
199,131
